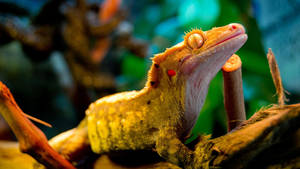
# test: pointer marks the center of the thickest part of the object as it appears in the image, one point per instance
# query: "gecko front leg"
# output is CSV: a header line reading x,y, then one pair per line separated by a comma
x,y
172,149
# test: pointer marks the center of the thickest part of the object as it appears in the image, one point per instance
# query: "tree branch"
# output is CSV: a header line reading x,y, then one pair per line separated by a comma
x,y
32,140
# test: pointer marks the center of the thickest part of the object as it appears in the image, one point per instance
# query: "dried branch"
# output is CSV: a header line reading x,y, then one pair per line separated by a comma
x,y
233,92
240,148
32,140
276,77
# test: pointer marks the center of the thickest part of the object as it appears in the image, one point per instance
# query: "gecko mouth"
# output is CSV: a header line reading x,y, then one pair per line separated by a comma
x,y
235,35
230,43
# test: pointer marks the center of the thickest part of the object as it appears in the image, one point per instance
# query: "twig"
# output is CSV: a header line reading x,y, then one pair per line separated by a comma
x,y
276,77
37,120
233,92
32,140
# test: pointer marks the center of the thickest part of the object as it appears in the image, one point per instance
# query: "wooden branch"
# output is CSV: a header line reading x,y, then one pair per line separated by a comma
x,y
73,145
233,92
240,148
276,77
272,133
32,140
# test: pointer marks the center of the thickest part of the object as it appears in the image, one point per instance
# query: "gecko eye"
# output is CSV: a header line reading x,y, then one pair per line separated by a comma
x,y
195,41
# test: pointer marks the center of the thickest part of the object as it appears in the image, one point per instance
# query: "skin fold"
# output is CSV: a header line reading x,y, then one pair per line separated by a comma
x,y
159,116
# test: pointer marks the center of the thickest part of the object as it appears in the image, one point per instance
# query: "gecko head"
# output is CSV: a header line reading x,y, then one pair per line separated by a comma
x,y
201,54
212,48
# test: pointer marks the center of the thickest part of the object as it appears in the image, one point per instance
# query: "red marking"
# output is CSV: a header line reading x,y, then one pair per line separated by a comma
x,y
233,27
171,73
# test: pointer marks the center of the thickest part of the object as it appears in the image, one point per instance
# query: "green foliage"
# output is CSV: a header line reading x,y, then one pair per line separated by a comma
x,y
133,67
133,71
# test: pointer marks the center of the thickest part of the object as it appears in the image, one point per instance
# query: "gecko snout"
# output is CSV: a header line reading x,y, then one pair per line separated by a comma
x,y
237,27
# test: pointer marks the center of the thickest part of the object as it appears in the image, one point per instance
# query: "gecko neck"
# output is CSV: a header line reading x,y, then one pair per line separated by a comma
x,y
196,89
195,94
180,103
167,105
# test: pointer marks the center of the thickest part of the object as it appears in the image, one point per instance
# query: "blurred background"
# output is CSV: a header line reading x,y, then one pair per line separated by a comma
x,y
57,56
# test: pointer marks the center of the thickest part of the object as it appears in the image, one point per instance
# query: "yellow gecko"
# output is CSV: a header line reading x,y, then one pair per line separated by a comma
x,y
162,113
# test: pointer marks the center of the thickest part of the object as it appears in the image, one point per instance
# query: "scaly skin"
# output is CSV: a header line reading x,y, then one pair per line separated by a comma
x,y
162,113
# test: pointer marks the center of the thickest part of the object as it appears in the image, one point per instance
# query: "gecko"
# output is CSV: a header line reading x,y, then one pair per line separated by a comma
x,y
161,115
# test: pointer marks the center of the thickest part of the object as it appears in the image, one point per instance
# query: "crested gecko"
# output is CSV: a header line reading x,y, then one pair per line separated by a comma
x,y
160,115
